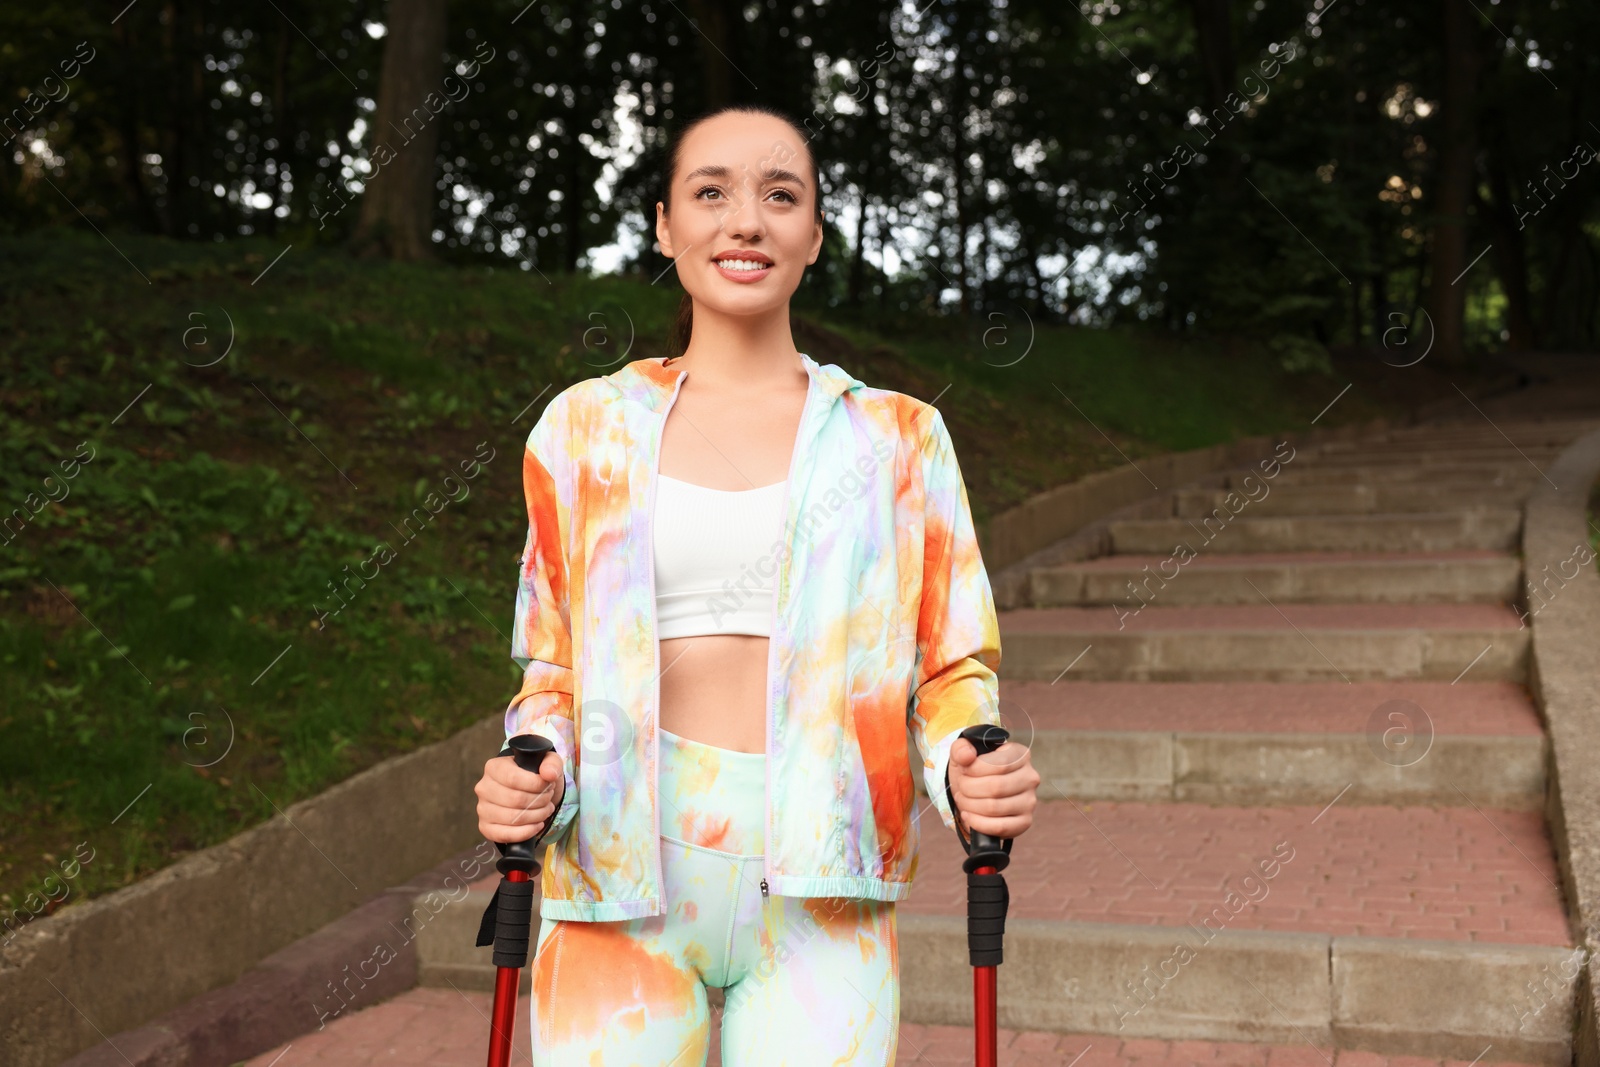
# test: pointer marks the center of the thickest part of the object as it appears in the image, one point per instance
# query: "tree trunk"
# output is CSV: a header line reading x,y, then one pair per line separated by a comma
x,y
1510,259
398,198
958,118
1214,31
718,52
280,122
1213,26
858,261
126,126
1453,181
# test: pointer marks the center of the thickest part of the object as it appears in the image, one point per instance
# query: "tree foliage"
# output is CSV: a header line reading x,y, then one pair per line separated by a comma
x,y
1287,170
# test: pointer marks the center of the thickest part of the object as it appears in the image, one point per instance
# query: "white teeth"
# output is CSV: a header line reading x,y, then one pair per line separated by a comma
x,y
743,264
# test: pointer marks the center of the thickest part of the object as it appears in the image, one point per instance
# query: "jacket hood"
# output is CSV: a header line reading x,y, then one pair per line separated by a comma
x,y
650,382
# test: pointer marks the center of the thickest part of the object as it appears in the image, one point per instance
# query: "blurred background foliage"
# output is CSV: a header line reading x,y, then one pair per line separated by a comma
x,y
1306,169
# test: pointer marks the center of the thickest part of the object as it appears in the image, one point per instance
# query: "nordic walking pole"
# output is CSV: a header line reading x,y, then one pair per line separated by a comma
x,y
987,898
509,917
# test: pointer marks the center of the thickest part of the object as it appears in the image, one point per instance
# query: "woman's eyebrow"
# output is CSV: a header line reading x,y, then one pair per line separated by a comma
x,y
771,174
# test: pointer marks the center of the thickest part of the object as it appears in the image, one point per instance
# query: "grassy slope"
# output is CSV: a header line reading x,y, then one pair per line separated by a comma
x,y
159,617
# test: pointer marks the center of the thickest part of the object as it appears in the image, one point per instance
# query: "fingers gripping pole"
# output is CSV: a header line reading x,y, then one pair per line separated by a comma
x,y
508,920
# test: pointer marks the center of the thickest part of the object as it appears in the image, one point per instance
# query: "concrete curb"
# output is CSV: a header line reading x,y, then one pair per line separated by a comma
x,y
356,961
114,962
1566,634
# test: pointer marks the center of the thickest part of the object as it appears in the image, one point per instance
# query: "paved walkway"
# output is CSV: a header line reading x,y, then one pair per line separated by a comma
x,y
444,1028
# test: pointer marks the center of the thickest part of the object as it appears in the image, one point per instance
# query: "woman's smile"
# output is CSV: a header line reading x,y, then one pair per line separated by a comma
x,y
743,266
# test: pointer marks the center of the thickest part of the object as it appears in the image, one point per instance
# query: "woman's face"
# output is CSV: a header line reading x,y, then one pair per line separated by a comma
x,y
742,196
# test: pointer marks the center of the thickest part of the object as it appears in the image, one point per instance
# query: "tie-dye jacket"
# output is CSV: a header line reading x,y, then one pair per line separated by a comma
x,y
883,621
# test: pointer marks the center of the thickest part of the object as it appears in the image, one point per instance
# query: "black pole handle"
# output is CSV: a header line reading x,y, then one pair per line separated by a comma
x,y
983,850
529,751
508,920
987,896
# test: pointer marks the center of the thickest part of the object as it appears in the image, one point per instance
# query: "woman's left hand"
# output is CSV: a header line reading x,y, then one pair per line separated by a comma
x,y
995,794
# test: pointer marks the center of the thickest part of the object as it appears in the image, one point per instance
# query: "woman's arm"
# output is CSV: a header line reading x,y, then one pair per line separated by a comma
x,y
958,642
958,633
541,639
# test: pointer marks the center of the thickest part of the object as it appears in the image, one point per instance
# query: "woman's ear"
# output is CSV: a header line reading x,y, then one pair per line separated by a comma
x,y
816,244
663,236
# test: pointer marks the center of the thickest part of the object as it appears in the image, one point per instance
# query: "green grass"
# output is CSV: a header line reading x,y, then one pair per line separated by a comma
x,y
167,684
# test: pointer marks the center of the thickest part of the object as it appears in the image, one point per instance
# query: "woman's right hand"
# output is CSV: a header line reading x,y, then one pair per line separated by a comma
x,y
514,804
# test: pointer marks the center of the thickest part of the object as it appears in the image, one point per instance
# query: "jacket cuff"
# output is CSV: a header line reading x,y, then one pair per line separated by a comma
x,y
936,778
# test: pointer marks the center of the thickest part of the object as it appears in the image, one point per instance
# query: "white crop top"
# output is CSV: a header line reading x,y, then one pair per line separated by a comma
x,y
716,558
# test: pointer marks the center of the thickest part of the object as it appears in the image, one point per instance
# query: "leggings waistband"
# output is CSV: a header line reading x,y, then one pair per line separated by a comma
x,y
711,797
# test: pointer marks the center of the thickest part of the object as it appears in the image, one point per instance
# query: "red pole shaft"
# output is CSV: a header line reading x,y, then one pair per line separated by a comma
x,y
504,1020
985,999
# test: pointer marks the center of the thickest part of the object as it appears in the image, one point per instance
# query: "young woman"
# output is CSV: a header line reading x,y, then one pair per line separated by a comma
x,y
747,578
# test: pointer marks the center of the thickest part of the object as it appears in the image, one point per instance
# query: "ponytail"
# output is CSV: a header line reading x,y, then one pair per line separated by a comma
x,y
682,328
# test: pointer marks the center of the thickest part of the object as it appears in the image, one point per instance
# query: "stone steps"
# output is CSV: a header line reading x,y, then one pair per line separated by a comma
x,y
1266,743
1397,929
1353,499
1495,528
1285,578
1437,455
1483,475
1292,793
1266,642
1342,651
1294,767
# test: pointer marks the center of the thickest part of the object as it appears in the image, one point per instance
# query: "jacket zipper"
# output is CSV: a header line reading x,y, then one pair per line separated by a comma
x,y
772,625
655,623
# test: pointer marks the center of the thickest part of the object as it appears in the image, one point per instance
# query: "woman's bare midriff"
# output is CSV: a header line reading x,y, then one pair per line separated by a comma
x,y
713,690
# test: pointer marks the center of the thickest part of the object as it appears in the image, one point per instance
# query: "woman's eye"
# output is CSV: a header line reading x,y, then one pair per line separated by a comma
x,y
786,194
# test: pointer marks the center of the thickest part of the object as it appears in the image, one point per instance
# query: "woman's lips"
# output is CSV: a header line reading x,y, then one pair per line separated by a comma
x,y
743,275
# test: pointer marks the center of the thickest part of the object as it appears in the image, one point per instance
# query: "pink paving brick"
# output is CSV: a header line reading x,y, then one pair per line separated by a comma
x,y
444,1028
1135,561
1281,617
1494,708
1370,871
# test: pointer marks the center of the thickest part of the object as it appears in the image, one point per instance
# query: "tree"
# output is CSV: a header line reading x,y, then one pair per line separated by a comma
x,y
397,201
1455,177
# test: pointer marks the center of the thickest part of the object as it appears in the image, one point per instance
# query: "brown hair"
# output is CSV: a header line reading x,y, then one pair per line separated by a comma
x,y
683,322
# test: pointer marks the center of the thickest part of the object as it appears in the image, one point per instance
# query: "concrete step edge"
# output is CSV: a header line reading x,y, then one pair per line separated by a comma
x,y
1397,996
1379,767
1327,582
1265,655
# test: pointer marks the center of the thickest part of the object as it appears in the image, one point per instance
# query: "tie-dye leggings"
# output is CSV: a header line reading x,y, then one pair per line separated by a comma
x,y
807,981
